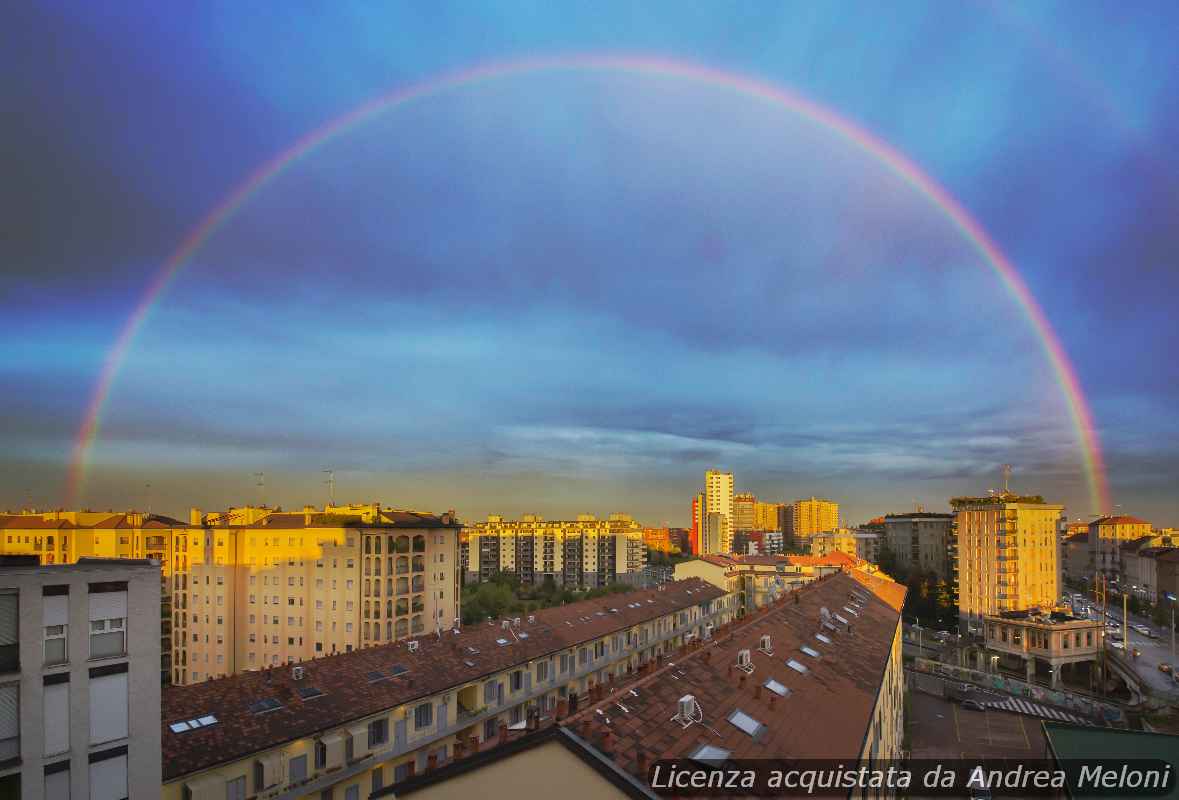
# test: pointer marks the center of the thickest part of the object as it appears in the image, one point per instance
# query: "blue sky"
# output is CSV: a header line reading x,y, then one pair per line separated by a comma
x,y
576,291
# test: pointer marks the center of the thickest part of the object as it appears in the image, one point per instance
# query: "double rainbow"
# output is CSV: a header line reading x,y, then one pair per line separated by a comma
x,y
1078,408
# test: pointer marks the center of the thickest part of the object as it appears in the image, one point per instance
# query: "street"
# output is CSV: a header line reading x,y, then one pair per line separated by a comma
x,y
1153,651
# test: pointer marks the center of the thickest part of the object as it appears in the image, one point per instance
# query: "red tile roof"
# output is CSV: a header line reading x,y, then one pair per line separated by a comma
x,y
440,663
1119,520
826,713
835,558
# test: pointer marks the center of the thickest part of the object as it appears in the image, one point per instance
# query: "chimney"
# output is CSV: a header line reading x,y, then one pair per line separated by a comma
x,y
584,729
431,762
474,744
608,742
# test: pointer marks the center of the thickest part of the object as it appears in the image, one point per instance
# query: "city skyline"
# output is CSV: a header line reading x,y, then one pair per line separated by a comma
x,y
450,305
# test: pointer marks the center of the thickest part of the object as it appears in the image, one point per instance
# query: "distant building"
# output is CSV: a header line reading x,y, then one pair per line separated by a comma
x,y
769,516
581,553
840,540
805,518
1075,556
718,502
923,543
744,516
680,539
697,529
867,545
1007,556
1140,570
657,539
80,710
1106,535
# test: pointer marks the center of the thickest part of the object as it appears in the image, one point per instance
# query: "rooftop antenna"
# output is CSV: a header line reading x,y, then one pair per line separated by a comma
x,y
331,482
1006,477
260,482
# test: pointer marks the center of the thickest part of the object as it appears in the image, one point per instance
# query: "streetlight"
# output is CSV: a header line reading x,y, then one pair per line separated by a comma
x,y
1171,597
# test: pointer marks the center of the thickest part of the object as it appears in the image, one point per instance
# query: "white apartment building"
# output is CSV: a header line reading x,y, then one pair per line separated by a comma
x,y
718,500
80,679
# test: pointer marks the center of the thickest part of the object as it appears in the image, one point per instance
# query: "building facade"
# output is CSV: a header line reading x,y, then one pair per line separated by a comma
x,y
1007,556
255,588
923,542
79,679
583,553
807,517
1106,536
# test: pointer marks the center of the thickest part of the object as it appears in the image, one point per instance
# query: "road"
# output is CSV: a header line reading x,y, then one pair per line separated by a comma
x,y
940,729
1153,651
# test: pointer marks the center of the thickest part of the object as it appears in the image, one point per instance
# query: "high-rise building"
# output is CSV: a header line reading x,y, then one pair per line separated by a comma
x,y
80,704
717,536
718,499
1007,555
769,516
807,517
253,588
744,513
697,523
586,552
922,542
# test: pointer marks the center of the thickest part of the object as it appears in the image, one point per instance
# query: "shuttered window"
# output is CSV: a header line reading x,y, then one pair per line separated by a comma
x,y
9,632
9,721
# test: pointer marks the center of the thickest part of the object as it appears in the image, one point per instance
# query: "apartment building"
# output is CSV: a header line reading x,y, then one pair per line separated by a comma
x,y
1106,535
79,679
1140,569
1007,556
63,537
769,516
839,540
257,587
805,518
356,725
1053,646
867,545
923,542
796,682
583,553
744,512
1074,553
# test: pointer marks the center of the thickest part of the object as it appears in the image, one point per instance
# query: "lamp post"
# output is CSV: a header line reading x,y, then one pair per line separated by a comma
x,y
1171,597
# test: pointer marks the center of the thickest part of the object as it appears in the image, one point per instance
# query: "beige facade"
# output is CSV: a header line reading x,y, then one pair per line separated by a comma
x,y
807,517
586,552
80,680
744,512
1007,556
1074,553
769,516
840,540
1053,640
252,590
1106,535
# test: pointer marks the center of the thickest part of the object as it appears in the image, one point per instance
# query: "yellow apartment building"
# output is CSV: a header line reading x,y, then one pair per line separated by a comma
x,y
768,516
840,540
1007,556
355,723
257,587
807,517
586,552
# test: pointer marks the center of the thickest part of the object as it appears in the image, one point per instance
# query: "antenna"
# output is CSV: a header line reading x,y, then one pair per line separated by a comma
x,y
331,483
1006,477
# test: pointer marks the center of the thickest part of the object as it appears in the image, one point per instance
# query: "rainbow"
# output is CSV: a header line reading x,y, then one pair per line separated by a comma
x,y
773,95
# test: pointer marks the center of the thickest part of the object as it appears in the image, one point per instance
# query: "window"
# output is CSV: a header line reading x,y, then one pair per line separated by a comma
x,y
423,716
55,644
378,732
517,680
296,769
542,671
235,789
320,754
352,792
9,721
108,705
490,692
490,728
9,632
107,638
378,779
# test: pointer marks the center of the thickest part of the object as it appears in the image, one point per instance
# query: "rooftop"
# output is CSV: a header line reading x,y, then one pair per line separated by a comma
x,y
918,515
999,499
367,681
810,696
388,518
1110,744
1119,520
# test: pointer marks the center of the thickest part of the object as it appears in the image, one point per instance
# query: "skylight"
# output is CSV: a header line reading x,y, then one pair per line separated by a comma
x,y
309,692
472,649
851,611
829,626
810,651
823,638
523,634
265,706
797,667
776,688
746,723
375,676
841,619
501,642
193,724
708,752
397,669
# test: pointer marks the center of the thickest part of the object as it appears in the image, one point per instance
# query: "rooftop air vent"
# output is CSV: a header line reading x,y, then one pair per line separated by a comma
x,y
745,660
297,673
412,645
766,647
689,711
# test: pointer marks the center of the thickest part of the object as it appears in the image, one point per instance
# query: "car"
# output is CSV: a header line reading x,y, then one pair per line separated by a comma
x,y
1165,668
973,705
1145,631
1117,637
1117,645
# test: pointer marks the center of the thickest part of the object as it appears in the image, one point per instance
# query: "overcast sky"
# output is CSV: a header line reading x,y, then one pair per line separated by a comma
x,y
575,291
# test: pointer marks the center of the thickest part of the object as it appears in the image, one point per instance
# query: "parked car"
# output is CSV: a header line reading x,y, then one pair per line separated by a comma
x,y
973,705
1145,631
1116,645
1165,668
